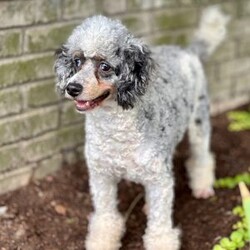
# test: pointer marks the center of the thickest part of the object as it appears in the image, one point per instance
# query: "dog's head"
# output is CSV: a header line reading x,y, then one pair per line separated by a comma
x,y
101,60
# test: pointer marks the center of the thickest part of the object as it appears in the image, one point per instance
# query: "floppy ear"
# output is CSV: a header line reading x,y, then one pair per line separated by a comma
x,y
134,71
64,68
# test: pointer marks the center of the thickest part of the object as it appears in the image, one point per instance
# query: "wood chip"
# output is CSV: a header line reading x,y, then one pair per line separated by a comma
x,y
3,210
60,209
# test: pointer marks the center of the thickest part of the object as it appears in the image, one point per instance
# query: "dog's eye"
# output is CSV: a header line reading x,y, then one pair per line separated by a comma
x,y
77,62
104,67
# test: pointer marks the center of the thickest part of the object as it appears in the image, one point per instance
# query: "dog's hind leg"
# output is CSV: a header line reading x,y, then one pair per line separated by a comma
x,y
201,164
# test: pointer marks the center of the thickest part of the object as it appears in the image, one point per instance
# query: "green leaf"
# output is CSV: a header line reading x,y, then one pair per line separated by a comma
x,y
218,247
240,120
236,236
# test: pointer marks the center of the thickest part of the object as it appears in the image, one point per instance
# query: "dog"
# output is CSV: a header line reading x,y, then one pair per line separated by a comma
x,y
138,102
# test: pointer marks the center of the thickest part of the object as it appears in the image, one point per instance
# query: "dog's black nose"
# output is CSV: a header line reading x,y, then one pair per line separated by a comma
x,y
74,89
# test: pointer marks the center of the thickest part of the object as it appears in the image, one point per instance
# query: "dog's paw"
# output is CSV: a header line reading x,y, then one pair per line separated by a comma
x,y
201,176
105,232
158,240
101,244
203,193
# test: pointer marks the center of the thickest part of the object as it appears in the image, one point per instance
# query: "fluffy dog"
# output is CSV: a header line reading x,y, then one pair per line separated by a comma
x,y
138,102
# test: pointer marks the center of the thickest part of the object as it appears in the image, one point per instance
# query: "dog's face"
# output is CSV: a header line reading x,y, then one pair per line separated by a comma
x,y
102,61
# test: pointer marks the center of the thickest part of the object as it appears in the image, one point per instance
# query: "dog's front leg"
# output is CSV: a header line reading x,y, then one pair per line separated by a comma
x,y
160,234
106,225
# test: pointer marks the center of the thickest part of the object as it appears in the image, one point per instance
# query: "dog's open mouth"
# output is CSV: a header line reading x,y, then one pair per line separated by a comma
x,y
91,104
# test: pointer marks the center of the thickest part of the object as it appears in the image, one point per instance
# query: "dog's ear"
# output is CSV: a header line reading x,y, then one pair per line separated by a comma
x,y
134,73
64,68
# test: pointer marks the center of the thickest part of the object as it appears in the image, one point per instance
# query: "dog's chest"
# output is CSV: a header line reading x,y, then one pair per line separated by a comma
x,y
112,143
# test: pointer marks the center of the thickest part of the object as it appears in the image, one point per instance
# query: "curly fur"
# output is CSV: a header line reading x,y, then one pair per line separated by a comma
x,y
156,94
64,67
135,70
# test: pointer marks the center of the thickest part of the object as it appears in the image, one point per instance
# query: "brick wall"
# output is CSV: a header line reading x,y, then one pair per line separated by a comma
x,y
38,131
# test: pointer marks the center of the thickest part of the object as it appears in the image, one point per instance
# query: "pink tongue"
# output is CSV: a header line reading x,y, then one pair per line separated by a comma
x,y
83,104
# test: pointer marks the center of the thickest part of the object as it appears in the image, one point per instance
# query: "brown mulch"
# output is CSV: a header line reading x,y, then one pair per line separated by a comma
x,y
52,214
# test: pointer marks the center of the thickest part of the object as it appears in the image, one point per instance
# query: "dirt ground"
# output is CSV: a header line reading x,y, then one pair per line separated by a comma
x,y
52,214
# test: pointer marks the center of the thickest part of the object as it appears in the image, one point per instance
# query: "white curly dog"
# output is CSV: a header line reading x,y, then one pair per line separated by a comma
x,y
138,102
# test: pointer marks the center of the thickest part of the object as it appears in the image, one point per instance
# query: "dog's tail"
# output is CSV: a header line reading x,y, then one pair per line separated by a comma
x,y
210,33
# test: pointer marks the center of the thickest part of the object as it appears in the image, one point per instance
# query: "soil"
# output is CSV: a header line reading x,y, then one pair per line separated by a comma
x,y
52,214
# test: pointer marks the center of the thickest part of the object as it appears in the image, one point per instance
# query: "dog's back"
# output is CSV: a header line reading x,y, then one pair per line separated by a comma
x,y
178,92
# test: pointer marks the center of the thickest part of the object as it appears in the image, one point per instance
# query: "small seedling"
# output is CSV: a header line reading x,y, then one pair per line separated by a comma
x,y
238,237
240,120
232,182
245,194
241,233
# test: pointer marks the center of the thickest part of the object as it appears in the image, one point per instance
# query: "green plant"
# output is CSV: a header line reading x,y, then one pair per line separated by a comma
x,y
238,237
232,182
240,120
245,195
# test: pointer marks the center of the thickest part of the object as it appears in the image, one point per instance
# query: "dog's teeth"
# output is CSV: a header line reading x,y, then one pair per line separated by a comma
x,y
87,104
